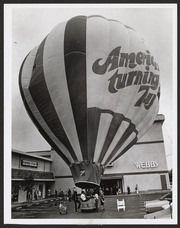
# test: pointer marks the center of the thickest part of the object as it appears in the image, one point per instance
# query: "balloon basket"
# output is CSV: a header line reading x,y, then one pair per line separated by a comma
x,y
87,174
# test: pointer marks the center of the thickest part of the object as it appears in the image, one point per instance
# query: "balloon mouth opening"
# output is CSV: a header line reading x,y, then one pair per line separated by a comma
x,y
86,184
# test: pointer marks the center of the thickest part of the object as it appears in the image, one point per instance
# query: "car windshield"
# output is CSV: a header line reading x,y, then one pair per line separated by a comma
x,y
168,195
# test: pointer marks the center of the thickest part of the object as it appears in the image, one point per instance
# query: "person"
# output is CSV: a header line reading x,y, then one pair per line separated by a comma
x,y
29,196
111,191
102,199
61,194
96,200
49,193
76,200
55,192
83,196
119,191
39,194
88,192
35,194
128,189
69,194
116,193
136,189
91,192
62,207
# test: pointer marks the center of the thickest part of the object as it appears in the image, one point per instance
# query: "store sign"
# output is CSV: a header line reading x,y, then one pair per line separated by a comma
x,y
146,164
29,163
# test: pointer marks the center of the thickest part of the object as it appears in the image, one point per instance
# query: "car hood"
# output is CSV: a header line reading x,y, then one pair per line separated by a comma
x,y
155,203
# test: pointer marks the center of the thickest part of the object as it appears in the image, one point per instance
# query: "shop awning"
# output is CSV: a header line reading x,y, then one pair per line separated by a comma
x,y
20,174
112,176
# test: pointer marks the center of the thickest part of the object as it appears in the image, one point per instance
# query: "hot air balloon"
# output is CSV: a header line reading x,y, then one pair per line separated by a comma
x,y
92,89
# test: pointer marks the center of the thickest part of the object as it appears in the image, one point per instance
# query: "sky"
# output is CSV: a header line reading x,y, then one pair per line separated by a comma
x,y
30,25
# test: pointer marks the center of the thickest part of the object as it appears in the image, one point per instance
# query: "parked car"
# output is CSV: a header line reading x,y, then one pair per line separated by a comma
x,y
158,204
89,205
167,196
163,214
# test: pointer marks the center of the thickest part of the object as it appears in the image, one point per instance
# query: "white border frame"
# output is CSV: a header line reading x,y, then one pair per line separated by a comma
x,y
7,116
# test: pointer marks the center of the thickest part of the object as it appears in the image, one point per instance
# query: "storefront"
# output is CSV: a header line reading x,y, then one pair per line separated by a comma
x,y
31,176
143,165
112,183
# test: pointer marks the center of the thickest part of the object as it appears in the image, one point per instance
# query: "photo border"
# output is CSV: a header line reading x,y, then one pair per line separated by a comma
x,y
3,91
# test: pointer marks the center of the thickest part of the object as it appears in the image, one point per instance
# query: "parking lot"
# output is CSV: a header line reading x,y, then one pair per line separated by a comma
x,y
49,208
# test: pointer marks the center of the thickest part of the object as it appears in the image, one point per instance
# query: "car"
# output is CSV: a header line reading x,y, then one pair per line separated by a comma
x,y
167,196
163,214
88,205
158,204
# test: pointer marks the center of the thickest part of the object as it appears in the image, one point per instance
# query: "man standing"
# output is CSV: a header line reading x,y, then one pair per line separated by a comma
x,y
39,194
136,189
128,189
76,200
102,199
96,196
69,194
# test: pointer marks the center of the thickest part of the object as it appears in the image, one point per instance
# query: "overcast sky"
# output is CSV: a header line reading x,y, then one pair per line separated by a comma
x,y
31,25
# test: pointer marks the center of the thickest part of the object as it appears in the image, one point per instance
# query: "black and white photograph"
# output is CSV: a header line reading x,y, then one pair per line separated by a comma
x,y
90,114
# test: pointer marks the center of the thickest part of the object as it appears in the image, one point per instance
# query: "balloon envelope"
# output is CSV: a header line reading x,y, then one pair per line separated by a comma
x,y
92,89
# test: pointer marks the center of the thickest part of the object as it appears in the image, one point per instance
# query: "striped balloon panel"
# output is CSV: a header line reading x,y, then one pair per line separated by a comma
x,y
33,111
57,83
80,108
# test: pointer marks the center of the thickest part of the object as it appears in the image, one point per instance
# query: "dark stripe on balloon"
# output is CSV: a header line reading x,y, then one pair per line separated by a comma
x,y
131,128
94,115
107,111
114,126
75,66
41,97
36,123
93,125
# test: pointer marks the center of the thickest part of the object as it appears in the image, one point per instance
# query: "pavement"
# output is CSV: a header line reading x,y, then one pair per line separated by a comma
x,y
18,206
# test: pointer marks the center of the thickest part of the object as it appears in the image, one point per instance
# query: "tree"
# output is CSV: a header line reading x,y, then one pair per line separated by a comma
x,y
28,182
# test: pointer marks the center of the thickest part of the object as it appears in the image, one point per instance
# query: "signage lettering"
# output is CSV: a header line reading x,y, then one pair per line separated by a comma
x,y
29,163
146,164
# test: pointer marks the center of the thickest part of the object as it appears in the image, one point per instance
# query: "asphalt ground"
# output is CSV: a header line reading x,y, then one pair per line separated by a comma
x,y
48,208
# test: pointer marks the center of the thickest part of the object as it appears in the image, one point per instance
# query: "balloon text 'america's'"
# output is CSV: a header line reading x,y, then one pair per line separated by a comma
x,y
117,59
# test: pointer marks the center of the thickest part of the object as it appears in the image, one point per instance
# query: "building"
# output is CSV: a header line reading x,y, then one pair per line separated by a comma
x,y
31,174
144,164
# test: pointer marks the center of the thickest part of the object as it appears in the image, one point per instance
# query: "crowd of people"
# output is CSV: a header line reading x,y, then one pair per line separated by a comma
x,y
85,195
96,194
